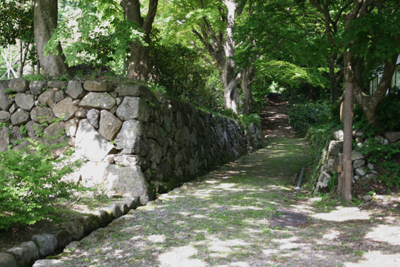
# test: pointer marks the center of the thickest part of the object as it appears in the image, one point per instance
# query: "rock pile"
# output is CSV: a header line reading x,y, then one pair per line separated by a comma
x,y
363,169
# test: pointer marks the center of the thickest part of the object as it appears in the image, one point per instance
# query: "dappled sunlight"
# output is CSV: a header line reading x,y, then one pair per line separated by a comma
x,y
342,214
376,258
180,257
156,238
241,208
385,233
331,235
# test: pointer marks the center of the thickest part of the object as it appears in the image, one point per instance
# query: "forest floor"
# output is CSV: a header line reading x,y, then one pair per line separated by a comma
x,y
224,218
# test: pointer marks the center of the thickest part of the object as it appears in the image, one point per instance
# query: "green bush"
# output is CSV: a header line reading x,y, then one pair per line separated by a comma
x,y
302,116
30,181
388,111
385,158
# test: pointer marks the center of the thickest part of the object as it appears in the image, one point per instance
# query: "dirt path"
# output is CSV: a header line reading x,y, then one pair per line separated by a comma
x,y
223,220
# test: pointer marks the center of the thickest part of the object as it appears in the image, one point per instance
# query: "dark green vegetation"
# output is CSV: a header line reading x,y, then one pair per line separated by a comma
x,y
31,182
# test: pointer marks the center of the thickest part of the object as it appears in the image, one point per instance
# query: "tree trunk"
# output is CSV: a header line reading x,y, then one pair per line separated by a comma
x,y
139,63
248,99
347,173
45,22
229,80
334,78
369,103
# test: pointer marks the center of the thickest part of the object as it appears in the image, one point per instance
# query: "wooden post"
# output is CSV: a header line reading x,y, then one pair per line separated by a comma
x,y
346,177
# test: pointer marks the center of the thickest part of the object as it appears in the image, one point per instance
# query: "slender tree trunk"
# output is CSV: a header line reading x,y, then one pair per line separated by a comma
x,y
347,173
229,80
139,63
45,22
248,99
333,77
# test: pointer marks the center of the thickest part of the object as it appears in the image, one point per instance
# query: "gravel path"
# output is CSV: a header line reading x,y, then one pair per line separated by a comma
x,y
223,220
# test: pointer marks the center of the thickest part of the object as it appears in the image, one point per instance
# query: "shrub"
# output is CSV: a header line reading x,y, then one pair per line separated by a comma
x,y
30,181
385,157
388,111
302,116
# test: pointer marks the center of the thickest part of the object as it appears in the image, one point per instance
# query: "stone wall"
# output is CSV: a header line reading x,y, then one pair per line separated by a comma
x,y
135,142
362,168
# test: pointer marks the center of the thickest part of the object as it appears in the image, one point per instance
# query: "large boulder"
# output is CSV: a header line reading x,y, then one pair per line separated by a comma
x,y
114,180
5,101
42,114
90,143
4,116
20,117
338,135
133,108
25,254
56,84
98,100
335,147
24,101
47,98
46,243
7,260
4,139
323,183
71,126
355,155
93,116
109,125
37,87
131,137
392,136
133,90
94,86
65,109
75,90
19,85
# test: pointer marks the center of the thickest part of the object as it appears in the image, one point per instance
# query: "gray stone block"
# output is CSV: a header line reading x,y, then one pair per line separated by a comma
x,y
37,87
75,89
46,243
95,86
98,101
7,260
25,254
49,263
19,85
24,101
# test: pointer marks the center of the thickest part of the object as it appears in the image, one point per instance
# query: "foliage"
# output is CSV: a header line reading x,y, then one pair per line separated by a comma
x,y
289,74
360,122
183,74
102,36
385,157
301,116
374,38
251,118
35,77
31,181
388,111
16,22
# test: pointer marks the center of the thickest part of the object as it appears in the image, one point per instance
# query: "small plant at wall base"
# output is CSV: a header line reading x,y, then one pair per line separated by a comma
x,y
385,158
30,183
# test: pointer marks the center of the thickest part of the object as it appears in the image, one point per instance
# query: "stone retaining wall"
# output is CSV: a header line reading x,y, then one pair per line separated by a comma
x,y
362,168
135,142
